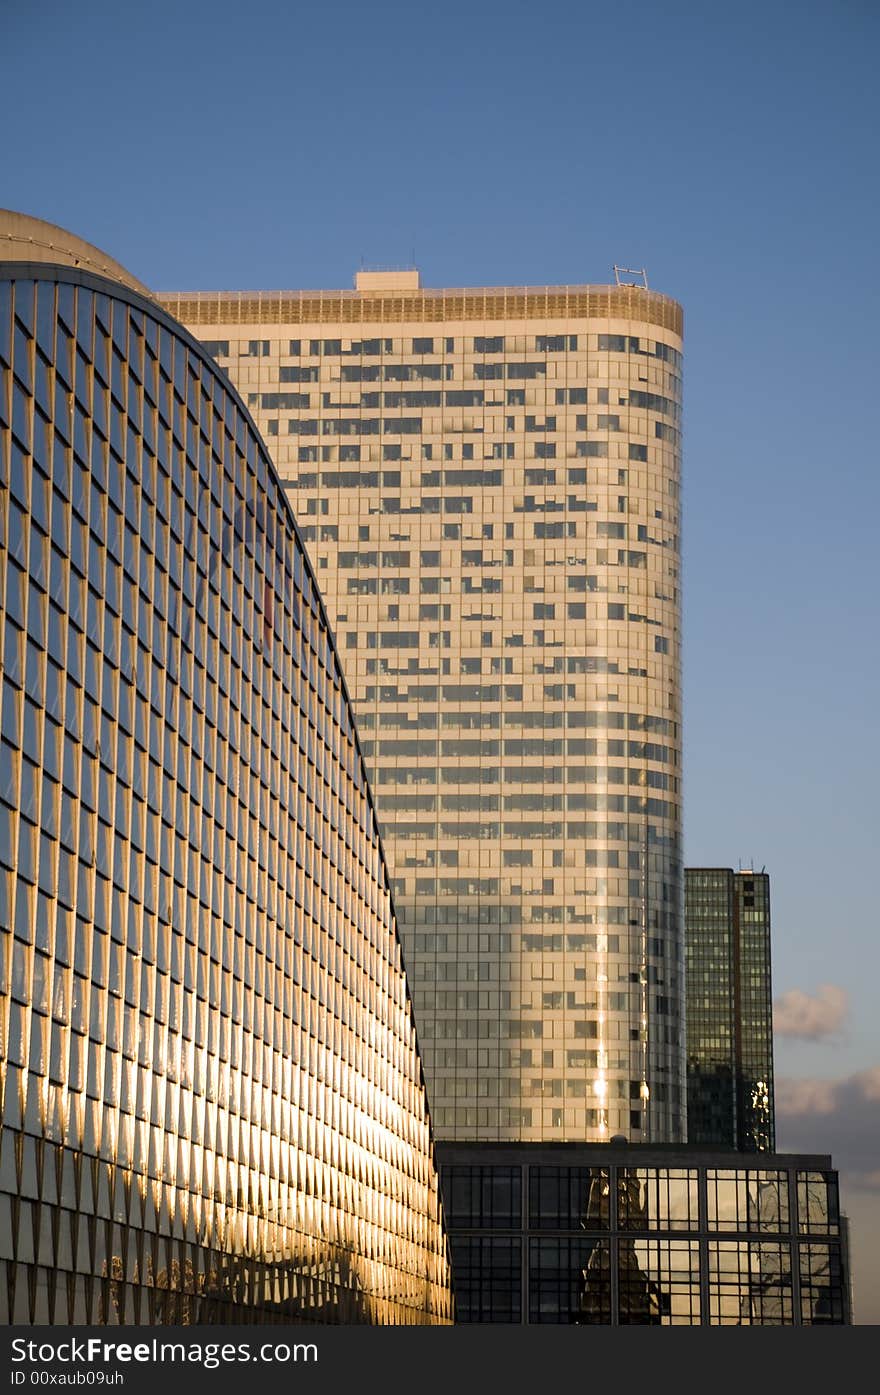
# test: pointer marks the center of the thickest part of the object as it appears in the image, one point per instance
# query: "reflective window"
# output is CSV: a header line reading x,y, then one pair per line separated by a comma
x,y
563,1197
488,1279
817,1203
749,1283
483,1197
823,1287
747,1200
657,1198
658,1282
569,1281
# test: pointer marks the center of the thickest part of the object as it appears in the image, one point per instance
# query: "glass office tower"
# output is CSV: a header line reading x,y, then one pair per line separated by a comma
x,y
213,1104
729,1025
488,482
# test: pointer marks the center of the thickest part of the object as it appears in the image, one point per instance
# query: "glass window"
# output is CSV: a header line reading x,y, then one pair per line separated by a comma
x,y
658,1282
817,1203
569,1281
488,1278
747,1200
484,1197
749,1283
823,1287
657,1198
565,1198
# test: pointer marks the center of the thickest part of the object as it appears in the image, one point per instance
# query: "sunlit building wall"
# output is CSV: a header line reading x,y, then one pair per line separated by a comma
x,y
213,1106
643,1236
729,1009
488,483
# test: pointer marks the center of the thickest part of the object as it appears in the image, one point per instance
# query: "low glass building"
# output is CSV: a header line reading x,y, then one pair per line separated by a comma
x,y
651,1235
213,1103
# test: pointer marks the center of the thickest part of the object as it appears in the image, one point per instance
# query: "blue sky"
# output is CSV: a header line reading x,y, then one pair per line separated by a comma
x,y
731,151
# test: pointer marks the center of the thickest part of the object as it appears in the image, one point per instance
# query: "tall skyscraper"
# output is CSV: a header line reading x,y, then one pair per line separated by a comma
x,y
488,484
729,1011
213,1108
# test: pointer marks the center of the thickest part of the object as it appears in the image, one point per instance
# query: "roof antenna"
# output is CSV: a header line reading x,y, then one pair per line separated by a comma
x,y
620,271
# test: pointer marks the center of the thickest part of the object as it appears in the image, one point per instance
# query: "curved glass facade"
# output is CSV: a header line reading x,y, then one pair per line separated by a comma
x,y
213,1103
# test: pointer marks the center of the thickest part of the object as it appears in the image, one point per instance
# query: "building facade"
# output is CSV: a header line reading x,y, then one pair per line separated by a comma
x,y
619,1235
213,1105
488,483
729,1009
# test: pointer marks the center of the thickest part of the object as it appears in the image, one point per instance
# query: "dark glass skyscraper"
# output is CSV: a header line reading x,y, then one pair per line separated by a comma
x,y
213,1106
729,1008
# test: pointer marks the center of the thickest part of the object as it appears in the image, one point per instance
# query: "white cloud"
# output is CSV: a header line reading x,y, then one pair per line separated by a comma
x,y
797,1097
811,1016
840,1117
